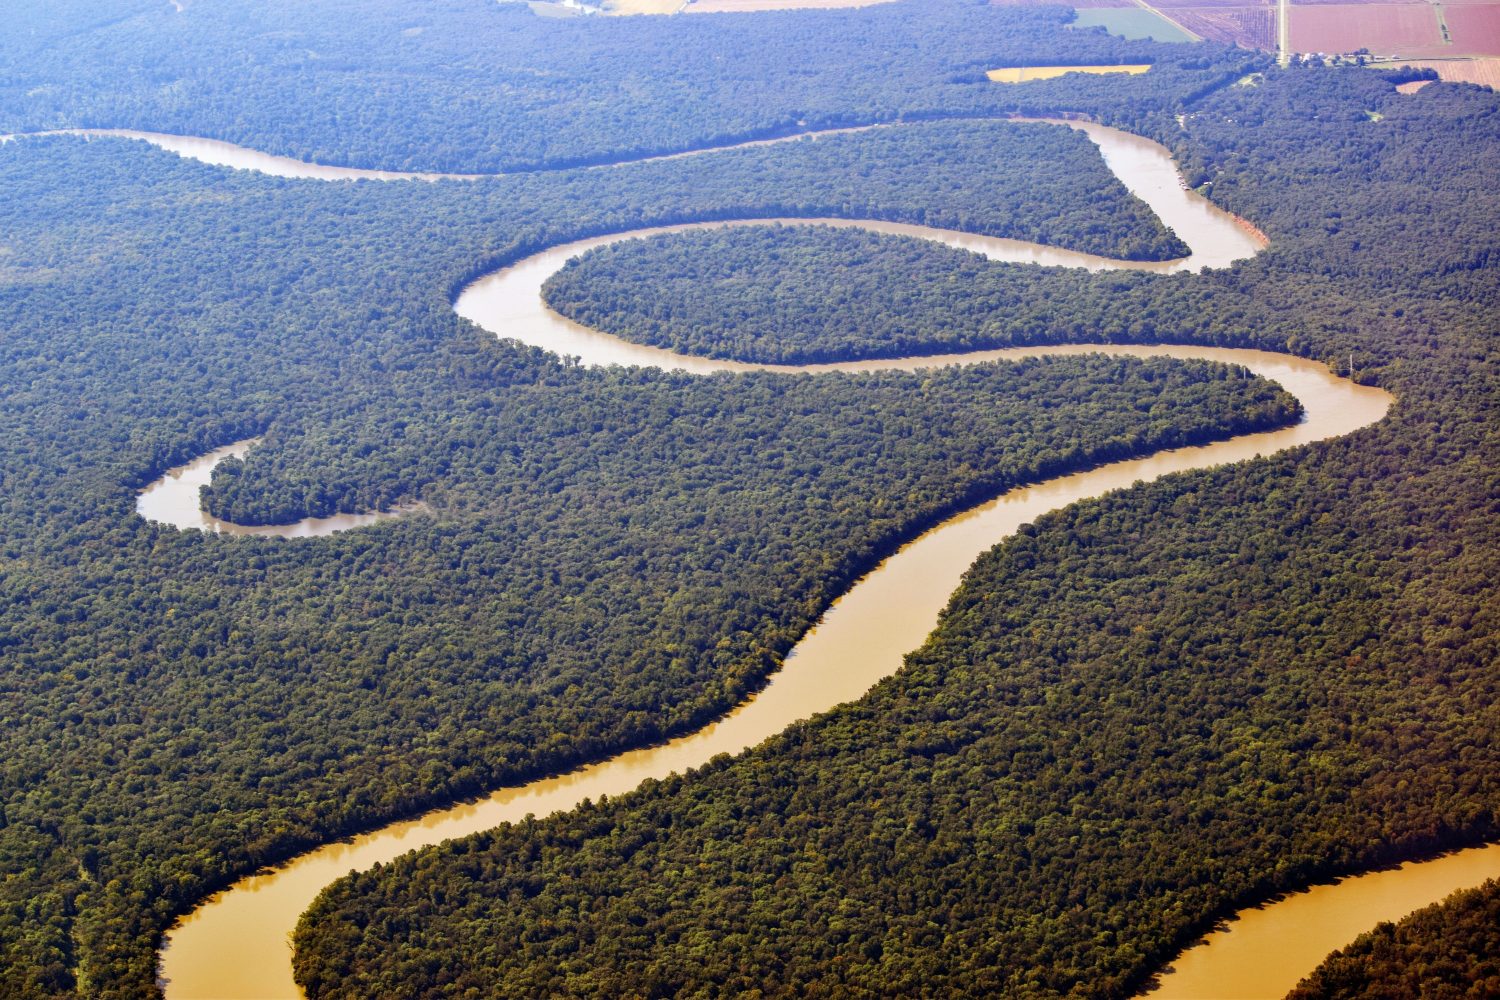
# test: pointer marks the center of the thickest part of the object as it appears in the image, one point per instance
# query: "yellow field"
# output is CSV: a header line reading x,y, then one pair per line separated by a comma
x,y
642,6
1025,74
727,6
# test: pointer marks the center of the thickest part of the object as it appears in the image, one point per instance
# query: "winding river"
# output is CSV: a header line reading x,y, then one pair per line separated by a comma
x,y
227,154
236,944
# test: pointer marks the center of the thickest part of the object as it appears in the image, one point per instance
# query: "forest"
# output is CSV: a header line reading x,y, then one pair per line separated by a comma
x,y
1246,677
1147,710
472,85
612,556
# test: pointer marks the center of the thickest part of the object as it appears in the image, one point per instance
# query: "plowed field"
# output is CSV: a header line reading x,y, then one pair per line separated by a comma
x,y
1474,28
730,6
1175,5
1251,27
1379,28
1485,72
1078,5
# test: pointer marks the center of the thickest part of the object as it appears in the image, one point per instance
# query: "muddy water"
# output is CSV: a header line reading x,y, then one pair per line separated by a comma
x,y
173,499
508,302
1145,167
236,944
227,154
1266,951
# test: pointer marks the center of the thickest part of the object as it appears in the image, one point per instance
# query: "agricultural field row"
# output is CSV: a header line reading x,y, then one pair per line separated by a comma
x,y
1432,30
1392,28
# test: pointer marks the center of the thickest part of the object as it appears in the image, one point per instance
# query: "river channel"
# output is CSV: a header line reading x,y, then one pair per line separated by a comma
x,y
227,154
174,499
236,944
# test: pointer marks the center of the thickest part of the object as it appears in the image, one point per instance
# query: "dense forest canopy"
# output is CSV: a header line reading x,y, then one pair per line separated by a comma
x,y
1145,711
472,85
614,555
611,555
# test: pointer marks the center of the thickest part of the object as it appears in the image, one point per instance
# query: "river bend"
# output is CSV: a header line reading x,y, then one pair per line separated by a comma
x,y
1146,168
237,943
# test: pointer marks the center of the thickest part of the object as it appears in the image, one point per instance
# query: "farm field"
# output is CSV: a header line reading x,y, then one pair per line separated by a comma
x,y
1485,72
1474,29
1252,27
1132,23
1413,28
1247,23
1176,5
732,6
642,6
1408,29
1025,74
1081,6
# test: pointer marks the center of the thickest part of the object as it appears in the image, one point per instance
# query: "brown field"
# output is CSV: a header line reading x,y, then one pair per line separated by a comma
x,y
1379,28
1251,27
624,7
732,6
1485,72
1474,28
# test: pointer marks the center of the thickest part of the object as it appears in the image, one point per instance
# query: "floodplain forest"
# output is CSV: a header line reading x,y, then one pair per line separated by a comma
x,y
1139,714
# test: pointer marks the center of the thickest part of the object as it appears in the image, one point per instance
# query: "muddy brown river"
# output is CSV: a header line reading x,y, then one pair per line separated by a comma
x,y
236,944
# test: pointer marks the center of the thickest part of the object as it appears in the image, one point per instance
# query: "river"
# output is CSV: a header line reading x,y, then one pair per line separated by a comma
x,y
1146,168
226,154
1268,949
236,944
174,499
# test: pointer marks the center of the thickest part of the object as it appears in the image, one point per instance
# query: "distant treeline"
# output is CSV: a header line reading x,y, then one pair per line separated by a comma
x,y
474,85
